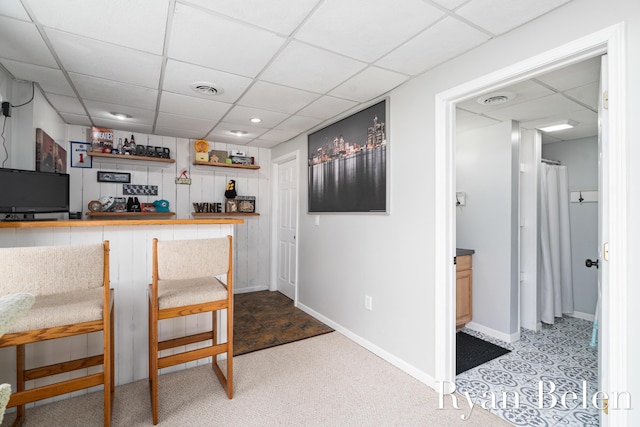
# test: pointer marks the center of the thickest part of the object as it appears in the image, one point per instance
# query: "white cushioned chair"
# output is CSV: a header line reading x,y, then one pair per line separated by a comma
x,y
185,282
72,297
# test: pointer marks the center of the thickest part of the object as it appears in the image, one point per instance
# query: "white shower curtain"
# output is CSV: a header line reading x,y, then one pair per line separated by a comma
x,y
555,243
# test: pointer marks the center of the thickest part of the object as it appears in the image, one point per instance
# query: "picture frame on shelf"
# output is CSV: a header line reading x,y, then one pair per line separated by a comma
x,y
79,157
231,206
246,204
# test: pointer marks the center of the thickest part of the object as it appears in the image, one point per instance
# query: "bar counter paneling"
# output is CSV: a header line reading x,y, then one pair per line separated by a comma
x,y
130,273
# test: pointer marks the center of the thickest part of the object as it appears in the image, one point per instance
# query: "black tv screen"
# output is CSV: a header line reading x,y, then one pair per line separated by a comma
x,y
25,191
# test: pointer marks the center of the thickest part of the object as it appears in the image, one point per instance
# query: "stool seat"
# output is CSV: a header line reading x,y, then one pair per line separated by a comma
x,y
178,293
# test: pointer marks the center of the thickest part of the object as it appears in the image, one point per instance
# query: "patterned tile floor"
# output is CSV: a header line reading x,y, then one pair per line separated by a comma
x,y
559,353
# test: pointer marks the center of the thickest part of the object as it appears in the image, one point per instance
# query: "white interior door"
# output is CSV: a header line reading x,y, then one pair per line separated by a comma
x,y
287,222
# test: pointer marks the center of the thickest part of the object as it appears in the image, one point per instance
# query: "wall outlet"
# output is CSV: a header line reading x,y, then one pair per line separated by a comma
x,y
368,302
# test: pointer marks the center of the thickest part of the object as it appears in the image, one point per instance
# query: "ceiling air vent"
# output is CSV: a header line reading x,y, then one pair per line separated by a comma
x,y
496,98
206,88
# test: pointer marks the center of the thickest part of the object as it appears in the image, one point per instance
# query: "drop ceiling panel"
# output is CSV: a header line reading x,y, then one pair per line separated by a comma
x,y
466,121
201,38
66,104
269,96
298,124
242,116
180,75
222,133
277,135
524,92
179,133
281,16
21,41
366,29
305,67
102,110
51,80
327,107
369,84
500,16
263,144
454,37
547,106
449,4
587,94
94,58
117,125
114,92
175,121
193,107
14,9
574,75
75,119
136,24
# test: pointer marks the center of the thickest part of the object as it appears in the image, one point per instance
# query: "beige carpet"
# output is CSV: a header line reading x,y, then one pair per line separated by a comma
x,y
327,380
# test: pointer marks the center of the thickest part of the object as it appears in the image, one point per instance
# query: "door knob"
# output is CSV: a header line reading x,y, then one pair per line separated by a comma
x,y
589,263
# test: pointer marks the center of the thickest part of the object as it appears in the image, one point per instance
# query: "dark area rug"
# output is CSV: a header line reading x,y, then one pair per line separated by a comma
x,y
265,319
472,352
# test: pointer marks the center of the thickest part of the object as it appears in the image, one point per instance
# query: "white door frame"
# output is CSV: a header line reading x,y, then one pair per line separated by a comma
x,y
275,166
611,41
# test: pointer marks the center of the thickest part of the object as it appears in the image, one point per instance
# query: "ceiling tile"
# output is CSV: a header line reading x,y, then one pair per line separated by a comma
x,y
14,9
537,109
269,96
201,38
450,4
21,41
524,92
327,107
222,133
277,135
282,16
175,121
500,16
573,76
141,26
305,67
51,80
193,107
587,94
180,133
95,58
366,29
66,104
369,84
466,121
114,92
102,110
117,124
242,116
75,119
263,144
179,76
453,36
298,124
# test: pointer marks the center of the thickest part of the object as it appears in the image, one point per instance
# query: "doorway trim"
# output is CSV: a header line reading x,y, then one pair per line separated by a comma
x,y
609,40
275,167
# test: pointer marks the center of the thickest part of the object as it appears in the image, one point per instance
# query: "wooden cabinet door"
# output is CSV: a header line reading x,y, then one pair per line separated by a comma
x,y
463,297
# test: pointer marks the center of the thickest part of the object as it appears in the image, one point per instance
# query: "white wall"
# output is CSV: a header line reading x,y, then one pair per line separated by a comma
x,y
487,223
5,124
391,257
581,158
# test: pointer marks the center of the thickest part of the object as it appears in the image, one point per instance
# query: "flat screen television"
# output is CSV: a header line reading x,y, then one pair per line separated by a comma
x,y
31,192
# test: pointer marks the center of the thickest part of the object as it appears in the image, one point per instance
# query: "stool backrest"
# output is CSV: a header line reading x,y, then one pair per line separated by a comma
x,y
45,270
190,259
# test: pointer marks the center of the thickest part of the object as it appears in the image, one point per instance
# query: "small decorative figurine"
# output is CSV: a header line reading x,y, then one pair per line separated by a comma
x,y
230,192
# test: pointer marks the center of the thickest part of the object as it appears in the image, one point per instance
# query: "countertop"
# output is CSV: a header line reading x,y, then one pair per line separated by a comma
x,y
461,252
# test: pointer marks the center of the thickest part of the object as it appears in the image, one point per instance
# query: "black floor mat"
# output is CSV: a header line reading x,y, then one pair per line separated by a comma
x,y
472,352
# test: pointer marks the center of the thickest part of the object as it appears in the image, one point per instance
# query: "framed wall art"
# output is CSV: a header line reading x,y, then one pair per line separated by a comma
x,y
348,164
120,177
79,157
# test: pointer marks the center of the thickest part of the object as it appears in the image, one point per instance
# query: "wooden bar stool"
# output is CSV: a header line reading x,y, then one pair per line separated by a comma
x,y
72,297
183,283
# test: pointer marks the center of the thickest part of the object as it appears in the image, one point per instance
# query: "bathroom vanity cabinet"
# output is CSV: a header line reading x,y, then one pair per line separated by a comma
x,y
464,285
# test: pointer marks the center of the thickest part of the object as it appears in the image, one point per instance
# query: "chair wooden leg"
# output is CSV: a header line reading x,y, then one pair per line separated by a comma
x,y
108,370
20,383
153,361
230,352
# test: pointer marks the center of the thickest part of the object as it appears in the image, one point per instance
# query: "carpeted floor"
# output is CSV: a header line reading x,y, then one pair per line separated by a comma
x,y
472,352
266,319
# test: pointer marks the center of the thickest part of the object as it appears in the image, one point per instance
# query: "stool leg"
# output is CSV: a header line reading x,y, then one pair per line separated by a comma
x,y
20,383
153,361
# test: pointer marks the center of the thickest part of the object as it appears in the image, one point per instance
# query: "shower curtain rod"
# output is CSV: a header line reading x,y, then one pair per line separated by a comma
x,y
551,162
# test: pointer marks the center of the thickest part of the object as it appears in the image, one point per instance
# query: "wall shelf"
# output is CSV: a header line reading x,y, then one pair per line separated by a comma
x,y
221,214
128,214
125,157
226,165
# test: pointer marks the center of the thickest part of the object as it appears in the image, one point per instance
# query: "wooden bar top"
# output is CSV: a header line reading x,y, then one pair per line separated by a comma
x,y
115,222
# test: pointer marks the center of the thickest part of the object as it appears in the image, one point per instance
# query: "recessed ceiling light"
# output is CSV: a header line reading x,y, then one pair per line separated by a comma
x,y
496,98
560,125
256,120
206,88
239,132
121,116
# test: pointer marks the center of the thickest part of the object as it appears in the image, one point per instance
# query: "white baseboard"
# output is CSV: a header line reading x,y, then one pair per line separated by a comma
x,y
395,361
251,289
508,338
583,316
